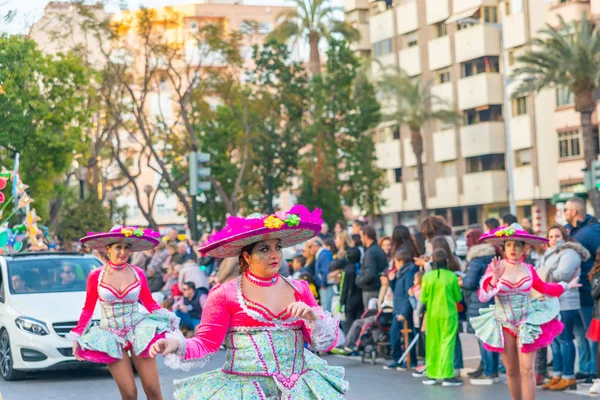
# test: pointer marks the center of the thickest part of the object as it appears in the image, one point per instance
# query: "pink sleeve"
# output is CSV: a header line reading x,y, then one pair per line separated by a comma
x,y
91,298
145,296
203,299
486,290
213,326
550,289
321,334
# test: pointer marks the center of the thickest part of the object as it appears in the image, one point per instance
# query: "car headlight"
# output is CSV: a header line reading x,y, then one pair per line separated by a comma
x,y
32,326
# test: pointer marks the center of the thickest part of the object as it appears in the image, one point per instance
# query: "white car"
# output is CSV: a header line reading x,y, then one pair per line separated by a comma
x,y
41,297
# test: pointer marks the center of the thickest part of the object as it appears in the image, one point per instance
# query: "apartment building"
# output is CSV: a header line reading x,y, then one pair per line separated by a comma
x,y
233,15
461,46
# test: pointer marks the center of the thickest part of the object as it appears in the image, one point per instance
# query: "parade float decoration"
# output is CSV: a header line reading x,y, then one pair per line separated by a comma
x,y
12,238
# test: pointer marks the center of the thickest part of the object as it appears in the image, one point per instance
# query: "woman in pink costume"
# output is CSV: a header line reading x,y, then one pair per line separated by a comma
x,y
517,326
123,334
264,319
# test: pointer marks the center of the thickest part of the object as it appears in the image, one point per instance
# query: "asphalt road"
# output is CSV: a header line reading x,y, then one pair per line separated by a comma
x,y
366,382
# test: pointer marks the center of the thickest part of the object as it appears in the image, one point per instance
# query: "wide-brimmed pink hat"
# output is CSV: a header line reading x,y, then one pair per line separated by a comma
x,y
140,239
292,227
514,232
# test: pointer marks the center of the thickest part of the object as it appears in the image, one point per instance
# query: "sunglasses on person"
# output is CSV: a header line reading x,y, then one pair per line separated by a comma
x,y
68,271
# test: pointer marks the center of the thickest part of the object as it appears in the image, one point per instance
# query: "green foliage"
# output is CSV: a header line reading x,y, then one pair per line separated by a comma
x,y
324,197
89,215
41,112
341,161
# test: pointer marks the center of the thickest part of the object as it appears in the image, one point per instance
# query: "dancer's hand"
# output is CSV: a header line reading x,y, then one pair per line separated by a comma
x,y
574,283
497,268
302,310
164,347
75,350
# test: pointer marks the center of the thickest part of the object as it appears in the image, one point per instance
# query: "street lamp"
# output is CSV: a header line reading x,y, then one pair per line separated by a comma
x,y
81,173
110,197
148,189
510,162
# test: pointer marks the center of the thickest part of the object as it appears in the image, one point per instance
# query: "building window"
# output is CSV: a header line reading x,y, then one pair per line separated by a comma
x,y
490,14
523,157
448,168
564,97
440,29
382,48
363,16
411,39
247,28
480,65
488,162
519,106
514,6
396,133
398,175
569,144
442,76
511,57
489,113
264,28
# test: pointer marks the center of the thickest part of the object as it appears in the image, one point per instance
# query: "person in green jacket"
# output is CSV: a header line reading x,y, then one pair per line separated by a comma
x,y
440,293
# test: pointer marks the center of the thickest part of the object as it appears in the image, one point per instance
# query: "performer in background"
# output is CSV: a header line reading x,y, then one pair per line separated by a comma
x,y
123,334
264,318
517,326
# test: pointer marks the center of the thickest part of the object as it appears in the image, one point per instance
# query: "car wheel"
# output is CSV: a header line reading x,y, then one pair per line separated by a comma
x,y
6,360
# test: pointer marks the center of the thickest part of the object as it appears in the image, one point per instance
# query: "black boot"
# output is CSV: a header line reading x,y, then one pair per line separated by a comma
x,y
477,373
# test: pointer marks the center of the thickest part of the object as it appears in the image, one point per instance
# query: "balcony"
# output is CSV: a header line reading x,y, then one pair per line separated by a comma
x,y
364,43
409,155
393,198
410,60
446,190
514,30
476,41
413,196
482,138
444,146
443,92
520,132
487,187
479,90
406,18
595,8
381,26
464,5
524,183
436,11
381,62
388,154
439,53
570,11
350,5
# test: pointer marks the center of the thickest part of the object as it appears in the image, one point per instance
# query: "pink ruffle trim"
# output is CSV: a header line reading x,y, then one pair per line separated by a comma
x,y
103,358
550,330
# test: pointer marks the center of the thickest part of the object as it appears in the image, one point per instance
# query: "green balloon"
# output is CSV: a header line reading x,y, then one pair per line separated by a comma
x,y
3,238
18,246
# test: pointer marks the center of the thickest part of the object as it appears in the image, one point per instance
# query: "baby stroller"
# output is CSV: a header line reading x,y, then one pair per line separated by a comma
x,y
374,339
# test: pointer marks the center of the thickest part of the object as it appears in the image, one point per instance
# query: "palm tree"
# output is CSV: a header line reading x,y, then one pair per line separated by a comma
x,y
567,56
413,108
312,20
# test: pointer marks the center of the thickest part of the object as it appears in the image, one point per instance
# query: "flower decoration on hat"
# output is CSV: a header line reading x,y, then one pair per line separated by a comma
x,y
292,220
127,232
505,232
272,222
138,232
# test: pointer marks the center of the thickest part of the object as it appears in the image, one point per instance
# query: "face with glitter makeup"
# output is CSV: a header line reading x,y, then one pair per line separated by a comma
x,y
514,250
266,258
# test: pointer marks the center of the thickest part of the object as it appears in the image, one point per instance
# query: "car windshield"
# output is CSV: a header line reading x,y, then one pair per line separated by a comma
x,y
49,274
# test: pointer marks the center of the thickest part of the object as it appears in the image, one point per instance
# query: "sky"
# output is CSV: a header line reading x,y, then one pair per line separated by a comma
x,y
29,11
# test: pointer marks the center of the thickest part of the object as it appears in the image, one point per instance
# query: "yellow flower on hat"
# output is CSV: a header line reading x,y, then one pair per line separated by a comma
x,y
127,232
499,233
272,222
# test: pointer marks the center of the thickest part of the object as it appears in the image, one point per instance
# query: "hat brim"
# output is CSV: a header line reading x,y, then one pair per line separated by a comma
x,y
531,240
232,246
101,240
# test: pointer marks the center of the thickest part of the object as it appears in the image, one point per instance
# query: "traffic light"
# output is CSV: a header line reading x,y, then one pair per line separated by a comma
x,y
591,179
197,171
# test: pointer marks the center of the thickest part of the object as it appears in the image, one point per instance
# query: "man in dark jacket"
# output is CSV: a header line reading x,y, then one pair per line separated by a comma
x,y
373,264
401,282
190,311
350,294
585,229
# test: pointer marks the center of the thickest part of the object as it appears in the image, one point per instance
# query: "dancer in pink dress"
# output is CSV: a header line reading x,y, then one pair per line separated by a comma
x,y
124,334
517,326
264,319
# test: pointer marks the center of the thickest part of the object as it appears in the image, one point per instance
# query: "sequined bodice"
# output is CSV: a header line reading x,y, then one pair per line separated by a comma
x,y
119,308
